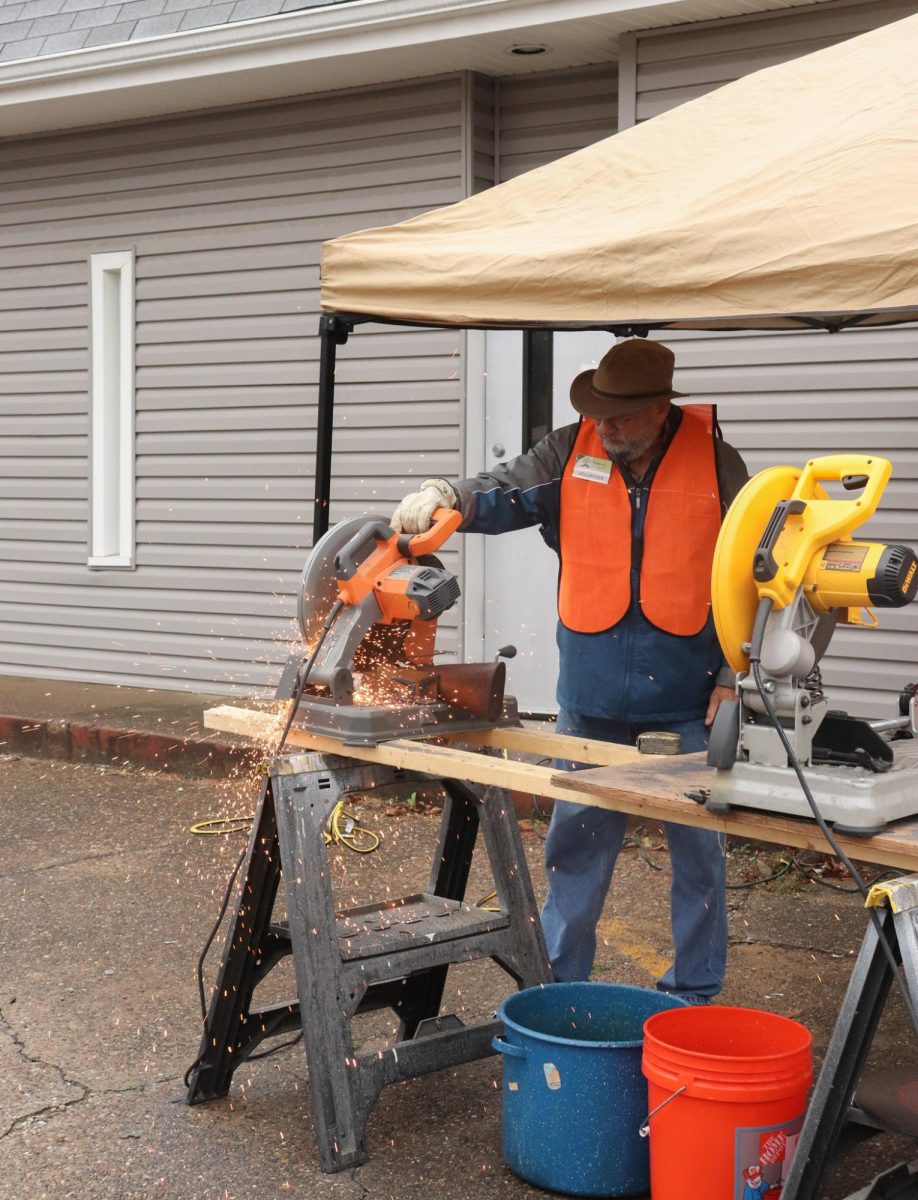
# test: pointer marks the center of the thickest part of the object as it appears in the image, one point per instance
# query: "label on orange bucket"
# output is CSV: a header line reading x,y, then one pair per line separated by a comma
x,y
763,1160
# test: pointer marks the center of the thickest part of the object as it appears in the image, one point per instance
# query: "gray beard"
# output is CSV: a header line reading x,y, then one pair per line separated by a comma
x,y
624,452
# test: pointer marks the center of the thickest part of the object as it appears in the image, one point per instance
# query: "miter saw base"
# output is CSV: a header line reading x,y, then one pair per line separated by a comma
x,y
370,724
852,799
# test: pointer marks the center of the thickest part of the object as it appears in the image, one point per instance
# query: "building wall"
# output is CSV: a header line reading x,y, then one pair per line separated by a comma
x,y
553,113
226,213
509,582
675,65
784,397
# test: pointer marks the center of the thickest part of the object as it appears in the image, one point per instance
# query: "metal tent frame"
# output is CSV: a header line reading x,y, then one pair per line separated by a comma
x,y
335,328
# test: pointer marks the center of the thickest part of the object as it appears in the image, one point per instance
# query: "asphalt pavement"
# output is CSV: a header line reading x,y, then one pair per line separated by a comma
x,y
108,897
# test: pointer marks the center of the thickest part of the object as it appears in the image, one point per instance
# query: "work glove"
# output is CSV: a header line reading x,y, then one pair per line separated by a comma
x,y
415,513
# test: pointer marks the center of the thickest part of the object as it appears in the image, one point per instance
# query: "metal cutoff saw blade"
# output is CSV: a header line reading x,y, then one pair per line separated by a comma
x,y
318,586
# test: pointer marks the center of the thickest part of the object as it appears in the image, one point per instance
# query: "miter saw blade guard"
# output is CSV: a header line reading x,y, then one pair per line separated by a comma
x,y
373,677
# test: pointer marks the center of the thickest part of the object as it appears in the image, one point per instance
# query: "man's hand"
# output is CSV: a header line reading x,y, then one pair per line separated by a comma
x,y
717,698
415,513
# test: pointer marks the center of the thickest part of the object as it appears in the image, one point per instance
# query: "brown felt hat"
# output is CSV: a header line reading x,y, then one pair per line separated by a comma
x,y
633,375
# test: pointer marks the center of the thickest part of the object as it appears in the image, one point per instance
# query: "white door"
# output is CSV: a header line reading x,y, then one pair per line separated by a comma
x,y
520,573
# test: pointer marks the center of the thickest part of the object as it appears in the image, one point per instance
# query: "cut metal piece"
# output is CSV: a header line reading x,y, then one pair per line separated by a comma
x,y
659,743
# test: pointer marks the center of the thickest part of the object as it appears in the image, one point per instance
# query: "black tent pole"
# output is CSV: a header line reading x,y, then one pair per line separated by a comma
x,y
333,332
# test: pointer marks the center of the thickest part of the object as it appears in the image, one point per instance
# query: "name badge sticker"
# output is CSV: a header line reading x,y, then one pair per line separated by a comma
x,y
595,470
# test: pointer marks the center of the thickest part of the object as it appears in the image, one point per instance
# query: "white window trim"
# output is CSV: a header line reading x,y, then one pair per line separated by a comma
x,y
112,388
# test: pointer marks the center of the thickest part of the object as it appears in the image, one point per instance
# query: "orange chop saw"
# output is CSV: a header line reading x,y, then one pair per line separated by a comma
x,y
368,605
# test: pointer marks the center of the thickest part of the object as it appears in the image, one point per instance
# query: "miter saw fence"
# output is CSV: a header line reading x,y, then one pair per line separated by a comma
x,y
786,572
368,605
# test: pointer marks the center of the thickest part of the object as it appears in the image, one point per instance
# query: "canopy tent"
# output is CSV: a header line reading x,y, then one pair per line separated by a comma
x,y
783,200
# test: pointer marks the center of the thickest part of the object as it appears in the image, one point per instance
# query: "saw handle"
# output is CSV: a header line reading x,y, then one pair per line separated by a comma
x,y
764,565
349,557
445,522
852,471
810,519
354,553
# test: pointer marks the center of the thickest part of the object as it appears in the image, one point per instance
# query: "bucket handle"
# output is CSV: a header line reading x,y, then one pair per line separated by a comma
x,y
503,1047
645,1124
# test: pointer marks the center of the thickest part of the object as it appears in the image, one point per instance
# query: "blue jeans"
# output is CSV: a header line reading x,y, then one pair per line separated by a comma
x,y
580,852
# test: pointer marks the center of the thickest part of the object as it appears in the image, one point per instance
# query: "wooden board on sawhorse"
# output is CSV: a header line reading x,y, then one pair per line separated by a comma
x,y
395,954
848,1106
653,787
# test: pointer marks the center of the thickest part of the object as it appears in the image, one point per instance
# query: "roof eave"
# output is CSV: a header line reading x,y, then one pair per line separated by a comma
x,y
340,45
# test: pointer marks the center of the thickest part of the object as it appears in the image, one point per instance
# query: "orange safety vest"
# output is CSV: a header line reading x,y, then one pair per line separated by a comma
x,y
680,532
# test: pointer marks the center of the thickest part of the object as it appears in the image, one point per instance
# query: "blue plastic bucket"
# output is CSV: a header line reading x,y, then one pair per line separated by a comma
x,y
574,1097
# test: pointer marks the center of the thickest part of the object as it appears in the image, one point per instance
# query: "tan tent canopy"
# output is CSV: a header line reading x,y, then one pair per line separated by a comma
x,y
785,199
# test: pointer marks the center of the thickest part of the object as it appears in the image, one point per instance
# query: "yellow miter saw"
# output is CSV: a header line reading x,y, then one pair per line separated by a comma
x,y
786,572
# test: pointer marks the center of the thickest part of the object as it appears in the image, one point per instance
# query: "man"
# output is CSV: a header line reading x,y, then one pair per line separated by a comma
x,y
752,1183
631,499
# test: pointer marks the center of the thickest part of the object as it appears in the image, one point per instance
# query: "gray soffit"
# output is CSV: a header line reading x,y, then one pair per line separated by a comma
x,y
58,73
32,28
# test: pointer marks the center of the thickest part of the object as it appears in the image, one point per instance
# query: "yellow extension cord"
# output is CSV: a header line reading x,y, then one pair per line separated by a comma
x,y
215,825
354,836
341,829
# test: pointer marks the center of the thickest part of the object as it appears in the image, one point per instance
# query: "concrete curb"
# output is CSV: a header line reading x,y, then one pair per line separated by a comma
x,y
77,741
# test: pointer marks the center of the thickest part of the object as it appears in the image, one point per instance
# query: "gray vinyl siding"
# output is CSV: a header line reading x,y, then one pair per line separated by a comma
x,y
543,117
679,64
481,130
226,213
786,397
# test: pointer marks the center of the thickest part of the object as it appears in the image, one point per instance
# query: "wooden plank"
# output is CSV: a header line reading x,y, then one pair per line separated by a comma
x,y
658,785
651,786
546,744
447,762
261,725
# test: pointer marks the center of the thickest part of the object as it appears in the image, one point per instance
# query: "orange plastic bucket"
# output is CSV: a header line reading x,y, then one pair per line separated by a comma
x,y
727,1095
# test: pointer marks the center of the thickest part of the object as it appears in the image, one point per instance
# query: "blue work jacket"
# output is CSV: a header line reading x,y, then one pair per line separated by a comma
x,y
633,671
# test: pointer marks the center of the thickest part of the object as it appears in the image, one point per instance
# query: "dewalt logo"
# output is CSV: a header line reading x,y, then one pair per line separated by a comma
x,y
908,578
